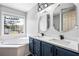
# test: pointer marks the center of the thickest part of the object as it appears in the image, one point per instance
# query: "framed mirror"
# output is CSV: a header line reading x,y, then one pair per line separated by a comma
x,y
44,22
64,17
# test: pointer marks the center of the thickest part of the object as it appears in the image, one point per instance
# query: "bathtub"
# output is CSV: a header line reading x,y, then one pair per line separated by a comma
x,y
14,47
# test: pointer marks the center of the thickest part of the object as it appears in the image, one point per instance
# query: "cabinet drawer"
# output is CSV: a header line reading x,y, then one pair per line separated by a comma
x,y
31,44
36,47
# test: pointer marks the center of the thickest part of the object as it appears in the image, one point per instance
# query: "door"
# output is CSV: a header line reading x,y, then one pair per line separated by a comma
x,y
31,45
36,47
64,52
47,49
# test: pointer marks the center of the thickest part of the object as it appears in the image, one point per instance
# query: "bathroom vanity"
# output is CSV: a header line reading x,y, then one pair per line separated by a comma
x,y
43,47
58,19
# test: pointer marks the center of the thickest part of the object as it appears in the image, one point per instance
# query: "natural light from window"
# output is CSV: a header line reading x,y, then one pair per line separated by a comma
x,y
13,24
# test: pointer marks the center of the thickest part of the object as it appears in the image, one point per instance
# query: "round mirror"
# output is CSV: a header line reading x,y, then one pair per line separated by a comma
x,y
64,17
43,24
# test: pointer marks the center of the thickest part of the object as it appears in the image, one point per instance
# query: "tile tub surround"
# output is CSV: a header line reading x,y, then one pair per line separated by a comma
x,y
73,46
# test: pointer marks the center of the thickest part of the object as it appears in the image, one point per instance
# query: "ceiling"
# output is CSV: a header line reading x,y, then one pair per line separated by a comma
x,y
20,6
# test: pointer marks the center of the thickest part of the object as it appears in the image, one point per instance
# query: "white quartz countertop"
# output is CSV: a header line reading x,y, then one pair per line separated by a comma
x,y
67,44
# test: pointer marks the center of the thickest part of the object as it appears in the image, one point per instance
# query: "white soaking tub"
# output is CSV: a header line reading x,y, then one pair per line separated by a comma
x,y
12,50
14,47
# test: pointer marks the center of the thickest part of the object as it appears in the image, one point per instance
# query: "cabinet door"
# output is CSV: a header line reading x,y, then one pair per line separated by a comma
x,y
36,47
47,49
64,52
31,44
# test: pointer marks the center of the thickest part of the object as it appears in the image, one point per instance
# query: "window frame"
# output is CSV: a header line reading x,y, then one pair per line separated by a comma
x,y
14,15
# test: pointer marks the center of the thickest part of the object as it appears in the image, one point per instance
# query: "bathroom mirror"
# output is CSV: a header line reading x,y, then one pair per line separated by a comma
x,y
64,17
43,24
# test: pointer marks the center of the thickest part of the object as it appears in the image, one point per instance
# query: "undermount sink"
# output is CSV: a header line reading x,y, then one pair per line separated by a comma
x,y
47,37
56,40
44,37
64,42
67,43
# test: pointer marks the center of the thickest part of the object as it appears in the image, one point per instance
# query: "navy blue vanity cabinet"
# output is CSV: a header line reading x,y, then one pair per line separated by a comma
x,y
31,45
37,50
65,52
46,49
40,48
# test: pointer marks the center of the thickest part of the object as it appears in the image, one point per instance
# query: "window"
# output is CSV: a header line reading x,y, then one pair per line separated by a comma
x,y
13,24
